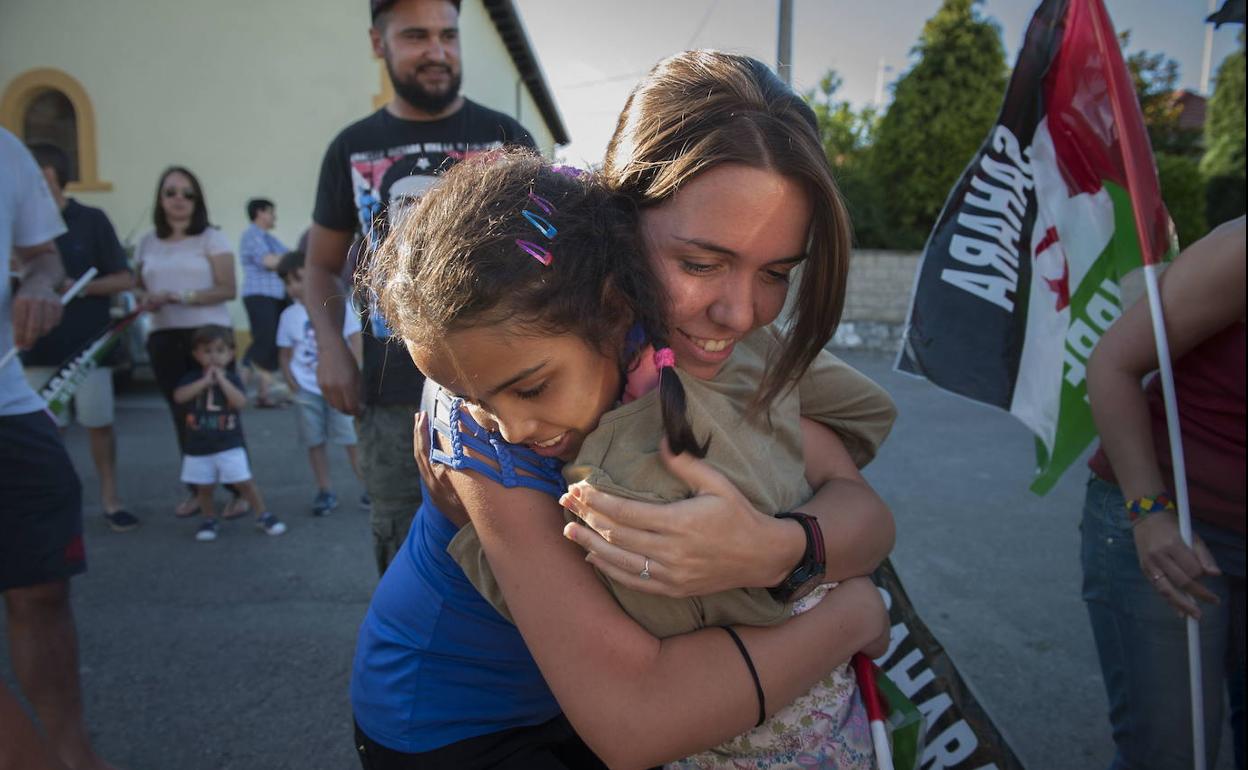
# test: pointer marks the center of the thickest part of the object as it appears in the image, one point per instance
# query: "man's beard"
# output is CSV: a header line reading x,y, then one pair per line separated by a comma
x,y
415,94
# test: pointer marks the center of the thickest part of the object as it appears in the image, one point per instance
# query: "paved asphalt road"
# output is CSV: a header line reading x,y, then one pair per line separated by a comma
x,y
236,654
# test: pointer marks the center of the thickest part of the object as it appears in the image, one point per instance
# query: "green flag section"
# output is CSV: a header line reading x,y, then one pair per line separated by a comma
x,y
1022,272
1096,305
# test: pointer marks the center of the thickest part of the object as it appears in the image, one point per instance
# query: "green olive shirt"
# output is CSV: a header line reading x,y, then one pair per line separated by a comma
x,y
760,453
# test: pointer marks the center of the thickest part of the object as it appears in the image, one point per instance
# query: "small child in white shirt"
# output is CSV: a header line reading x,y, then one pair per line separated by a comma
x,y
318,423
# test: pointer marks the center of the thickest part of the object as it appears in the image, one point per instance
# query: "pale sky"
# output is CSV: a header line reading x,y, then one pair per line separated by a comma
x,y
593,51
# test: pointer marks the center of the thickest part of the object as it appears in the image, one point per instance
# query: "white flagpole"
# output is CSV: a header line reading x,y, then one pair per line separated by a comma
x,y
1166,372
69,294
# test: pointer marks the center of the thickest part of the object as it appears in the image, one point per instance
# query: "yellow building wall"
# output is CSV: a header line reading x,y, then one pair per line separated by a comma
x,y
246,94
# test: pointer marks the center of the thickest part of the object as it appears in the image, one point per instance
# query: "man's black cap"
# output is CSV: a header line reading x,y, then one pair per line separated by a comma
x,y
377,6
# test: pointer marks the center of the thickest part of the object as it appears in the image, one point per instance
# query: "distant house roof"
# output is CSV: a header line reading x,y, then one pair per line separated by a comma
x,y
507,21
1192,106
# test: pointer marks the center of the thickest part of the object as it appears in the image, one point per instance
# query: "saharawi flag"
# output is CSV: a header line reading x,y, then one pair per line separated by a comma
x,y
1021,274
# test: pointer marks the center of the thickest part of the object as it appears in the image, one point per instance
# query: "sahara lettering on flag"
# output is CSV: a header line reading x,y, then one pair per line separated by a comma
x,y
58,390
957,732
1021,274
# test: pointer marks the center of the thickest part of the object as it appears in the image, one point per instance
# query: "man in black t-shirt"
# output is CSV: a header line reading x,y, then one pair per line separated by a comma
x,y
389,158
89,241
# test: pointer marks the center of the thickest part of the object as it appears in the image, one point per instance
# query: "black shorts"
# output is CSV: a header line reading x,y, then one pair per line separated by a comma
x,y
552,745
40,504
263,313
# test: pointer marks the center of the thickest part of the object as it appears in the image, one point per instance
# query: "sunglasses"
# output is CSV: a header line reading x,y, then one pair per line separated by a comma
x,y
185,193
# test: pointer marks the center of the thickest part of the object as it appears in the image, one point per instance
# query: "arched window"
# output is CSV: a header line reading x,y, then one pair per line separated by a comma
x,y
47,105
50,118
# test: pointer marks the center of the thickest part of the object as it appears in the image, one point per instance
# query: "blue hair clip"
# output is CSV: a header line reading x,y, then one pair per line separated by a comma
x,y
542,224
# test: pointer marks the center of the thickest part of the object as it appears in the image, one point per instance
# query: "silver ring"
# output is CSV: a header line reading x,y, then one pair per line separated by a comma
x,y
1157,576
645,571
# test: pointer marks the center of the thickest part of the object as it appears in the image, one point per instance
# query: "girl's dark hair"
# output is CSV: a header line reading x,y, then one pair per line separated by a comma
x,y
452,262
699,109
290,262
199,216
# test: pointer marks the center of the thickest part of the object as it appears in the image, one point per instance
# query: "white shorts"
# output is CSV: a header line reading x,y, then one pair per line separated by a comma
x,y
92,403
226,467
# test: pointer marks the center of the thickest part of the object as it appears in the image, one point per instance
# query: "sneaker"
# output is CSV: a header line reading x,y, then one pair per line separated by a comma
x,y
325,502
207,531
366,503
121,520
270,524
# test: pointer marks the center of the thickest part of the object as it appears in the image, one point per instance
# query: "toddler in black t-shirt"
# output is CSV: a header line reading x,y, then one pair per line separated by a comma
x,y
212,397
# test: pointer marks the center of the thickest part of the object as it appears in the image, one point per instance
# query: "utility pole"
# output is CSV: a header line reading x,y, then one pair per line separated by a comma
x,y
784,45
880,72
1207,60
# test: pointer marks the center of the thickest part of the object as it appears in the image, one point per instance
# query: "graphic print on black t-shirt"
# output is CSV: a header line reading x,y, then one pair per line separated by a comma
x,y
211,425
378,165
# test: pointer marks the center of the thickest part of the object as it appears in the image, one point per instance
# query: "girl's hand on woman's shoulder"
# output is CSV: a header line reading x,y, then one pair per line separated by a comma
x,y
438,486
707,543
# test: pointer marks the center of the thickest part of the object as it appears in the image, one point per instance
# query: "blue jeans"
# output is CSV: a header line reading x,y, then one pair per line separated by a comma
x,y
1142,643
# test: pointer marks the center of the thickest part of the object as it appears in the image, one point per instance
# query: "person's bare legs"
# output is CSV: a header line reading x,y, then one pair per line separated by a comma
x,y
319,458
353,456
21,745
264,383
251,493
203,495
43,646
104,455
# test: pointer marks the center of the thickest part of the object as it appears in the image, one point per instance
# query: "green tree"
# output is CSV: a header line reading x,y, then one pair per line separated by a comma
x,y
1183,190
1156,78
942,110
847,136
1223,163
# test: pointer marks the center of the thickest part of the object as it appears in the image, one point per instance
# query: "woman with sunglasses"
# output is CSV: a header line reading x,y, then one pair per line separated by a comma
x,y
186,272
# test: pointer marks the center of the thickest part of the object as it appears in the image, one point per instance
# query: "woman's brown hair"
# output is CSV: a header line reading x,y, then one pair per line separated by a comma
x,y
199,214
699,109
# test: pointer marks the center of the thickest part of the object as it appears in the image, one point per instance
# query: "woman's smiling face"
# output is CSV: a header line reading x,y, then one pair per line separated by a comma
x,y
723,247
543,391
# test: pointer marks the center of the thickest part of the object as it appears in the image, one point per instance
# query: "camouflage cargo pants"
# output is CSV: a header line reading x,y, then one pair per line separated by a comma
x,y
390,475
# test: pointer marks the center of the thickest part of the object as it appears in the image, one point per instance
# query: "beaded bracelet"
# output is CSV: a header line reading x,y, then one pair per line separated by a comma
x,y
1141,507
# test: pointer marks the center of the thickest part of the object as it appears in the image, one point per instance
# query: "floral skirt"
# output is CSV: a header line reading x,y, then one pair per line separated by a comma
x,y
825,728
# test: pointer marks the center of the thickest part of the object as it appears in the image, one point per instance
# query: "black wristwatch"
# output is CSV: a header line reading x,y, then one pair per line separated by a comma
x,y
813,563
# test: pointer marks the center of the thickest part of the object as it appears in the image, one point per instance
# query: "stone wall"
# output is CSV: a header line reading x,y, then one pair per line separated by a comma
x,y
877,300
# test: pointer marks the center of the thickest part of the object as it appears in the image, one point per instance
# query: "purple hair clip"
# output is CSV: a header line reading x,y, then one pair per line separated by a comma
x,y
537,252
571,171
543,225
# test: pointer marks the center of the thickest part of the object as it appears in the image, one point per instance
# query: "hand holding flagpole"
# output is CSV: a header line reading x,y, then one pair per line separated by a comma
x,y
70,293
1141,173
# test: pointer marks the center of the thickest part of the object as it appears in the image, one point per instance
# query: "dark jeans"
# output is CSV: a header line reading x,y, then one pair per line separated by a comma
x,y
1142,643
551,745
169,353
263,313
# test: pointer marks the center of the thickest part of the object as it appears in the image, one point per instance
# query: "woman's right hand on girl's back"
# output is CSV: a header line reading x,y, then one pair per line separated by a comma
x,y
701,545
